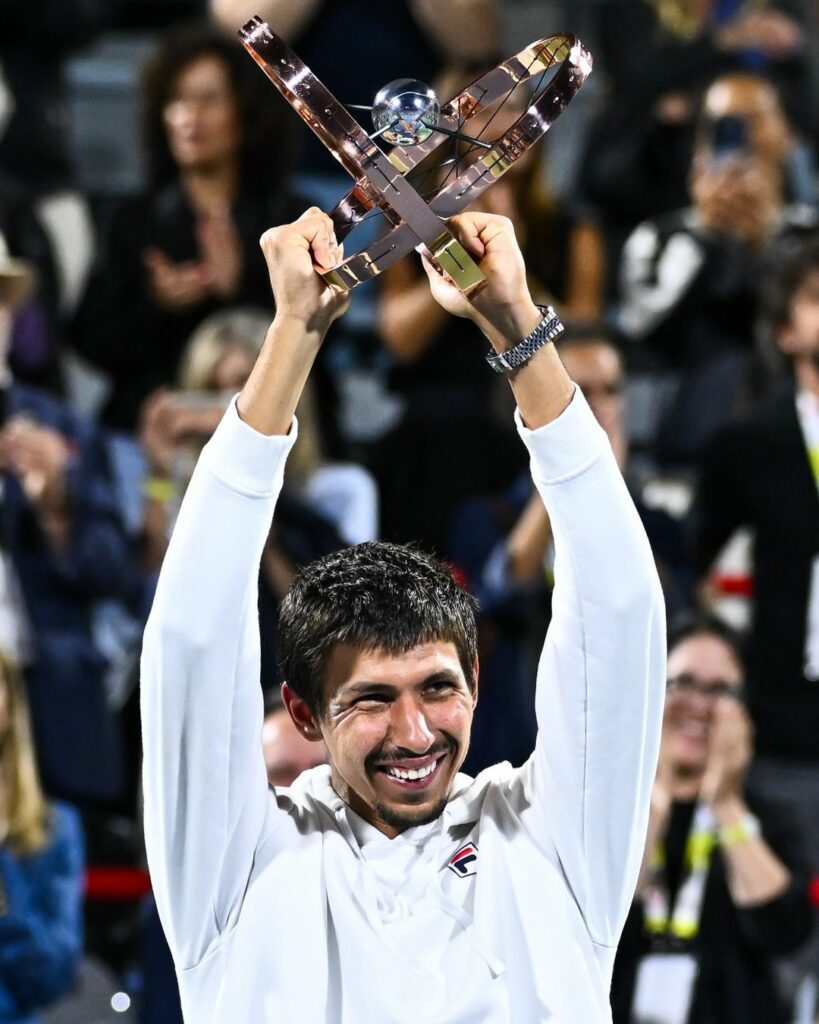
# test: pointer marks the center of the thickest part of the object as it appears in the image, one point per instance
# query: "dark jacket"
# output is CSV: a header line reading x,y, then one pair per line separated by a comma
x,y
41,932
734,947
756,474
76,735
119,327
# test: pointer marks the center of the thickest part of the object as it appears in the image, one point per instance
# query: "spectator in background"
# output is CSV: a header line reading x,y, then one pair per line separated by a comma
x,y
62,552
41,871
218,157
763,473
691,279
286,752
658,56
175,424
723,887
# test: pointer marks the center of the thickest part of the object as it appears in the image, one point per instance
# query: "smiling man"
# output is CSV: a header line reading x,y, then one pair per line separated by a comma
x,y
387,886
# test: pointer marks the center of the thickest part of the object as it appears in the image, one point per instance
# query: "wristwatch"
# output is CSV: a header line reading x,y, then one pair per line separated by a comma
x,y
549,328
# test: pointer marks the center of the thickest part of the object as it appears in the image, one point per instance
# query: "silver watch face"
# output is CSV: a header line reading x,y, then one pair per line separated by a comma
x,y
549,328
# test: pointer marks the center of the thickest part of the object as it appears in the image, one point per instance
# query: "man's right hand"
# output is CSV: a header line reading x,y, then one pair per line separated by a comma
x,y
295,254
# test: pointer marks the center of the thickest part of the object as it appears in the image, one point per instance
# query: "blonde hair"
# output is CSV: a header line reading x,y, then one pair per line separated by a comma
x,y
26,810
245,326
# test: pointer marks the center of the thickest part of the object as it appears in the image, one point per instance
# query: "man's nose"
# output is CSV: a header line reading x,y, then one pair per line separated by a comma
x,y
409,726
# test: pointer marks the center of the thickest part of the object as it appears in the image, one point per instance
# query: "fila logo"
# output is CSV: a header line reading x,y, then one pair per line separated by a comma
x,y
465,861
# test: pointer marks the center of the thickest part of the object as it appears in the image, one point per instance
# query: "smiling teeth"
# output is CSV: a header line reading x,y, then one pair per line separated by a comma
x,y
413,773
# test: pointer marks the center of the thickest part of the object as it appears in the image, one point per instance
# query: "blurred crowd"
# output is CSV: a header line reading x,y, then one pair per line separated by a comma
x,y
678,240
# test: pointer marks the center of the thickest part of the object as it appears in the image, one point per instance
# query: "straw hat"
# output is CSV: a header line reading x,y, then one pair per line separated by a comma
x,y
17,278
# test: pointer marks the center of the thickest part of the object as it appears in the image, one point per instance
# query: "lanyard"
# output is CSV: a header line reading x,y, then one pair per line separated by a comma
x,y
683,920
807,411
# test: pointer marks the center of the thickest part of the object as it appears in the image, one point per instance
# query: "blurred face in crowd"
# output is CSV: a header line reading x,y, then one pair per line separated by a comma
x,y
201,117
596,368
233,369
799,337
286,752
397,730
756,102
701,669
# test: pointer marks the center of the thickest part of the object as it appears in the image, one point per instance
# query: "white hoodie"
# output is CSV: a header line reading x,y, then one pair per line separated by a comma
x,y
282,906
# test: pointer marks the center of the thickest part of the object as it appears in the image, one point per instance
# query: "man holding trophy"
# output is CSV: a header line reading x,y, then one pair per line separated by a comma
x,y
385,885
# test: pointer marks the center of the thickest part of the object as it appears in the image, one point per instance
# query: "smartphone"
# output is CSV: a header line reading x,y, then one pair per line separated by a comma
x,y
729,138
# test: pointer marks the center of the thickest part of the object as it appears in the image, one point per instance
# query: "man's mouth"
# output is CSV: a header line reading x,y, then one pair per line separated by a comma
x,y
413,774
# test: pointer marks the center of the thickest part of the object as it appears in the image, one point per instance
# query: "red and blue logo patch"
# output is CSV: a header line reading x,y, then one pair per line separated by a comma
x,y
465,862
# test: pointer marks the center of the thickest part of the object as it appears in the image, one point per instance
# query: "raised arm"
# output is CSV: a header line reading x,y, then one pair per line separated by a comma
x,y
601,678
206,805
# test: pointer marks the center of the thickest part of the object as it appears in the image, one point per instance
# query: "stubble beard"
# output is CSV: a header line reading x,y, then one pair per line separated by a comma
x,y
407,818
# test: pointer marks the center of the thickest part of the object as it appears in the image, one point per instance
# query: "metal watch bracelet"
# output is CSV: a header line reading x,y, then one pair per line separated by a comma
x,y
549,328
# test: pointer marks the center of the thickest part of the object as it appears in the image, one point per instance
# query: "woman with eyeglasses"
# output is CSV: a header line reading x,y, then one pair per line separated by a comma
x,y
41,872
722,887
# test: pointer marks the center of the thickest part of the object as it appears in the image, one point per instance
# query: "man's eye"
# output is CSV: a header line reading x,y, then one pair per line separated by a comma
x,y
371,699
442,686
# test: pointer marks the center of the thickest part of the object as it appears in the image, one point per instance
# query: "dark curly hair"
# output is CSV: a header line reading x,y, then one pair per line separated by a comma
x,y
267,126
798,258
698,622
376,596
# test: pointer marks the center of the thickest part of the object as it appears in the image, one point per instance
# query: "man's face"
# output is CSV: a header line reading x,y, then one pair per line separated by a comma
x,y
700,669
397,731
286,752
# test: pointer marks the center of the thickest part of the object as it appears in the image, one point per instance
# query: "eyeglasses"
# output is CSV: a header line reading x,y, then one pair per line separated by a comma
x,y
689,686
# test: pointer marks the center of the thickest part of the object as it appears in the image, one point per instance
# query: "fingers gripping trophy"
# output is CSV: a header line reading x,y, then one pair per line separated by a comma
x,y
415,192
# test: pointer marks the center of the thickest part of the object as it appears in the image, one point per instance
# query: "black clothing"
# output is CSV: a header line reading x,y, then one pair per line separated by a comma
x,y
32,360
757,474
711,302
120,328
35,40
644,61
734,946
691,300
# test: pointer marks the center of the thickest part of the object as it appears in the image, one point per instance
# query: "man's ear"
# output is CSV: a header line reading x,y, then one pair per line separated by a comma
x,y
475,673
303,718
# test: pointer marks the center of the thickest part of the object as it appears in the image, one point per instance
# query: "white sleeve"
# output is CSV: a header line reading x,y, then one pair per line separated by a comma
x,y
205,788
601,678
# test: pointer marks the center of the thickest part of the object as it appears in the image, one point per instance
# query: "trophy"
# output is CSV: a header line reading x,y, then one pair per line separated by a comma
x,y
407,115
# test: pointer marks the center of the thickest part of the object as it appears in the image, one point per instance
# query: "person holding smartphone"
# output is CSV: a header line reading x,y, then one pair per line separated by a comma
x,y
690,279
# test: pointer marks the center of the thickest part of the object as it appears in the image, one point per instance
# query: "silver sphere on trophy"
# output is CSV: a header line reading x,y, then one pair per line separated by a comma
x,y
405,112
